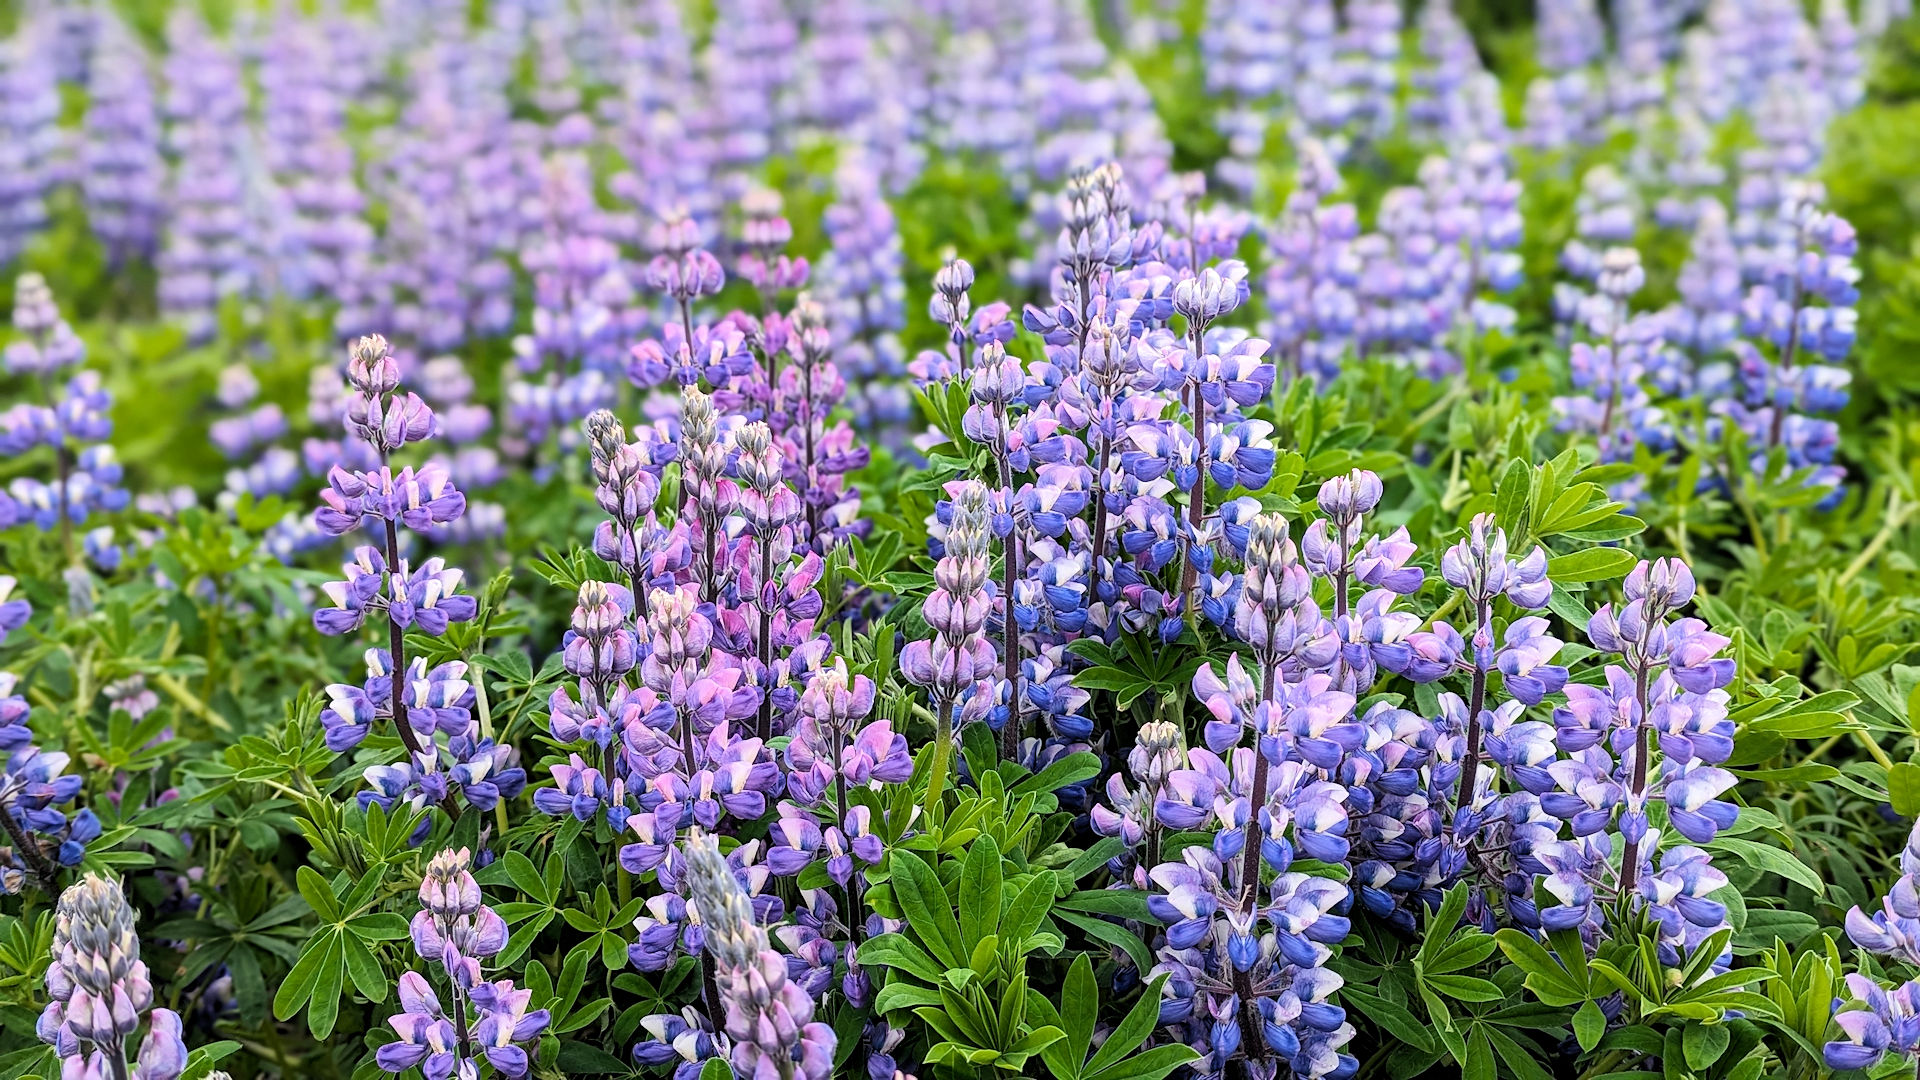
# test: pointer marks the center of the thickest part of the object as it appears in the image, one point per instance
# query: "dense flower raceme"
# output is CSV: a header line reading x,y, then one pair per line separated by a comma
x,y
71,418
425,704
102,994
482,1021
768,1016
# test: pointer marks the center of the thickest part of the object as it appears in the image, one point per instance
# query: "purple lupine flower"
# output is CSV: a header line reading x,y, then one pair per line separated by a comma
x,y
382,420
958,663
456,929
43,837
101,991
122,172
14,611
769,1018
1665,693
74,422
1875,1022
1894,930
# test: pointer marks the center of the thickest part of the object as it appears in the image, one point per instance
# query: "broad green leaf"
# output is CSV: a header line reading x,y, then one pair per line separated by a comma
x,y
378,926
924,901
1152,1064
1100,929
363,969
1772,860
899,951
903,995
1397,1020
1139,1023
1126,903
323,1008
298,986
1479,1061
1465,987
1589,1024
1591,564
1550,982
1081,1009
1029,909
979,893
1703,1044
318,893
1903,783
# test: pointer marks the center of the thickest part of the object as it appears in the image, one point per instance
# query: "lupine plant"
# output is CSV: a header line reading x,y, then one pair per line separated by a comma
x,y
1331,541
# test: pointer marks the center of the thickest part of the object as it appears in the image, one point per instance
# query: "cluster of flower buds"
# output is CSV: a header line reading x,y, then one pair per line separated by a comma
x,y
958,665
768,1017
101,992
627,477
485,1021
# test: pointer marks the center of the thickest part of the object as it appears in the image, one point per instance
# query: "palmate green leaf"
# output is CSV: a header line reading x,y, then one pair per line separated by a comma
x,y
1510,501
1515,1055
1126,903
1132,1032
1464,951
898,951
363,969
318,894
1465,988
1161,1061
323,1007
1029,909
1058,774
1478,1063
1080,998
1441,925
904,995
1545,977
300,982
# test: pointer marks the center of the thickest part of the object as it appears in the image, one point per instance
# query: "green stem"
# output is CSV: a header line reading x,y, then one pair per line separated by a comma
x,y
191,702
942,751
1896,518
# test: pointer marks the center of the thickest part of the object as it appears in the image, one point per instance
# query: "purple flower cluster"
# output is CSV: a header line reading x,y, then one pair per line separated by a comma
x,y
72,419
1894,930
1524,810
424,703
483,1021
122,173
102,994
36,792
768,1016
31,147
1664,693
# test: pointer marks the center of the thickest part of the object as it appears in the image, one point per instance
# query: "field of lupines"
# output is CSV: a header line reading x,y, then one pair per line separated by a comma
x,y
852,538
